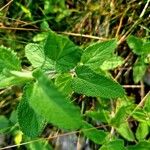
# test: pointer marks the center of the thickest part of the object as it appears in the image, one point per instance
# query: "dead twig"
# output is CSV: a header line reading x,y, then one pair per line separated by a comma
x,y
6,5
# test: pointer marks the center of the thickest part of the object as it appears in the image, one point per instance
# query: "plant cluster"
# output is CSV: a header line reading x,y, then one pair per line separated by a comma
x,y
59,74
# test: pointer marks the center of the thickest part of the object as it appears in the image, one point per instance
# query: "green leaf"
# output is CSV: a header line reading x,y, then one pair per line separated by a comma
x,y
142,131
135,44
63,82
119,117
62,51
52,105
12,80
112,63
141,115
30,122
35,54
91,84
100,115
95,135
139,69
53,6
113,145
147,104
40,37
125,131
146,48
8,59
39,145
143,145
96,54
4,124
138,46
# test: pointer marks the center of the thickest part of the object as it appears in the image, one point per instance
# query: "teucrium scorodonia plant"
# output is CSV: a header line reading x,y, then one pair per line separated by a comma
x,y
59,68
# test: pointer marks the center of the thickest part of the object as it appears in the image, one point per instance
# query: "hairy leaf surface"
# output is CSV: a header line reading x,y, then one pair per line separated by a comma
x,y
114,145
35,54
125,131
30,122
89,83
97,136
62,51
52,105
63,82
96,54
9,59
138,46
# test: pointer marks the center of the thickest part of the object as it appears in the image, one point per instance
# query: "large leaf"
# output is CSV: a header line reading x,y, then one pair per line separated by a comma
x,y
114,145
35,54
91,84
30,122
96,54
62,51
97,136
52,105
8,59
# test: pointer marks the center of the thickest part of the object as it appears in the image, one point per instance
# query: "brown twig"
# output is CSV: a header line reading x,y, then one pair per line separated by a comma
x,y
84,35
139,105
6,5
52,137
23,29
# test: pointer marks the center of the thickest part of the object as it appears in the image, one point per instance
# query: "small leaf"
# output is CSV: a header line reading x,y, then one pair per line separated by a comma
x,y
4,123
63,82
101,115
112,63
143,145
147,104
138,46
62,51
142,131
35,54
95,135
146,48
125,131
30,122
141,115
96,54
135,44
9,59
40,37
47,101
119,117
8,79
139,69
39,145
113,145
91,84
